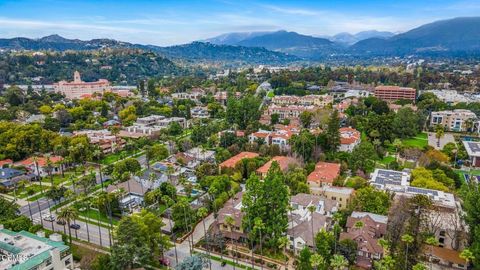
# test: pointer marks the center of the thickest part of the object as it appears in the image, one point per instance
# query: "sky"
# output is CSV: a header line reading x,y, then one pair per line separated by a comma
x,y
165,22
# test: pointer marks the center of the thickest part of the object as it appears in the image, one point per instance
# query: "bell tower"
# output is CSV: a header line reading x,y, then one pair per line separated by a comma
x,y
76,77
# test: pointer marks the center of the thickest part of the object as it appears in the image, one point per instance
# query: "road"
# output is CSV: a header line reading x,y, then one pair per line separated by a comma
x,y
98,235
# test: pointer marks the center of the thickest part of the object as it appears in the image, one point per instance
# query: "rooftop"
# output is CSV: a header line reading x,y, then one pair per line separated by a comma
x,y
231,162
282,161
30,248
324,172
473,148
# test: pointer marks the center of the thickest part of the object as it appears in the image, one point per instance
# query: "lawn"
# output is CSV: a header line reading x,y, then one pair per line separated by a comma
x,y
419,141
114,157
58,179
32,189
93,215
387,160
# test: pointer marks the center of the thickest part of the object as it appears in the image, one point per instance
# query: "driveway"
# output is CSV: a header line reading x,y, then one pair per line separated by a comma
x,y
433,141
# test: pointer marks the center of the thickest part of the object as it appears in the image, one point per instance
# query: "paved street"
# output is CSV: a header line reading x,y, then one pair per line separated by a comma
x,y
96,232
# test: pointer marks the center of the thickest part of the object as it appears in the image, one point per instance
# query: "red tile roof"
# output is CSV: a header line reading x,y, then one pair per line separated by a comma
x,y
282,161
42,161
324,173
349,135
5,162
231,162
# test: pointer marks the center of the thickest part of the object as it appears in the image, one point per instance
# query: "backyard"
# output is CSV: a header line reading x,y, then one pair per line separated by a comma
x,y
419,141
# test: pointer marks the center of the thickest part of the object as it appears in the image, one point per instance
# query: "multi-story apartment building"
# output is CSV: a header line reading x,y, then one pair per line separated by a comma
x,y
393,93
288,112
104,139
308,100
25,250
78,88
456,120
195,94
153,124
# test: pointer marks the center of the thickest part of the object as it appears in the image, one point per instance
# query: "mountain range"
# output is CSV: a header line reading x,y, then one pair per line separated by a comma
x,y
446,38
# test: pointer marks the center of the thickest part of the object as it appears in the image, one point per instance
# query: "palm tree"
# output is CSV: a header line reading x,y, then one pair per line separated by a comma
x,y
230,223
384,244
202,213
397,143
431,241
439,133
168,203
317,260
312,209
336,228
358,225
259,226
338,262
467,255
408,239
68,214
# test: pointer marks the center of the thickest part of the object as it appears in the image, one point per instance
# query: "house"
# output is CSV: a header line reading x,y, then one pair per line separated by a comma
x,y
6,163
199,112
398,182
231,209
444,258
324,174
195,94
280,136
473,151
301,219
153,124
342,195
349,138
261,135
111,123
457,120
10,177
46,165
232,162
366,229
283,162
25,250
193,157
132,193
288,112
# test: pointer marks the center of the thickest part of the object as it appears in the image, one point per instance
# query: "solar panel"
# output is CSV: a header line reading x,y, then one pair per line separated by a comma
x,y
474,146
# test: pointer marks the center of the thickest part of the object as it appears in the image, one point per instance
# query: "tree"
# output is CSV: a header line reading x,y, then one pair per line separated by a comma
x,y
324,242
196,262
332,134
356,182
174,129
68,214
407,239
267,201
274,119
306,118
202,213
338,262
439,133
317,261
419,266
369,199
128,115
431,241
348,248
304,259
303,144
386,263
363,157
467,255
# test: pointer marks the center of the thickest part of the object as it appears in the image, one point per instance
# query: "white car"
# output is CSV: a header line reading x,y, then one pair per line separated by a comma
x,y
50,218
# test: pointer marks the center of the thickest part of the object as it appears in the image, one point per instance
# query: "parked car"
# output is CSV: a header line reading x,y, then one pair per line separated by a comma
x,y
75,226
165,262
61,222
50,218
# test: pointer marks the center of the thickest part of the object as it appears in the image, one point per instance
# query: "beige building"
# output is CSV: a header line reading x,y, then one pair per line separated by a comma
x,y
456,120
342,195
79,89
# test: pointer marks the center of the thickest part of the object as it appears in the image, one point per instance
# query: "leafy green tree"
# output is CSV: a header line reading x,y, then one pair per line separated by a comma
x,y
363,157
369,199
324,242
306,118
338,262
267,201
304,259
348,248
303,144
317,261
332,134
